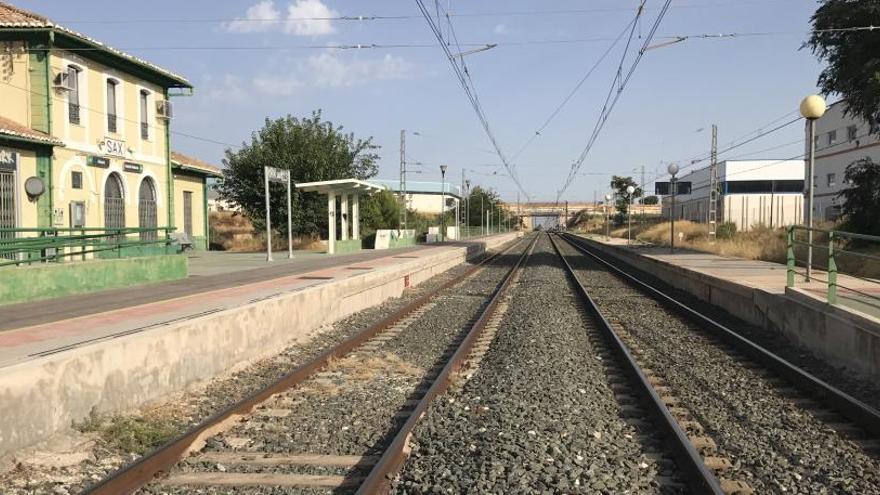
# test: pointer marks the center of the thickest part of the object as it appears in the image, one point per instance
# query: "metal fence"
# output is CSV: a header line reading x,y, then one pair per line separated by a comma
x,y
837,253
28,246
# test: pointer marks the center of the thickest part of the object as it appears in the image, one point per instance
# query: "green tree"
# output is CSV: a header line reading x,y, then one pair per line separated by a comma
x,y
861,207
380,211
313,150
853,57
650,200
619,184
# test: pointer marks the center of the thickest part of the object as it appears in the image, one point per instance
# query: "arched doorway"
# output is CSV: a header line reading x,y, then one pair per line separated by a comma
x,y
147,213
114,204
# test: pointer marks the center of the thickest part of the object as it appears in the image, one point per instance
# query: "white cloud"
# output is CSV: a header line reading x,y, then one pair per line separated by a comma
x,y
329,70
227,88
262,16
304,18
501,29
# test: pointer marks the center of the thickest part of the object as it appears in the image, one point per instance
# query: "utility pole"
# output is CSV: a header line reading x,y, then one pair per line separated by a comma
x,y
642,201
714,191
403,179
565,223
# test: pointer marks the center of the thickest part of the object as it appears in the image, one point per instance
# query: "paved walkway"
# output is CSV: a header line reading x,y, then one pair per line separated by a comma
x,y
764,275
216,282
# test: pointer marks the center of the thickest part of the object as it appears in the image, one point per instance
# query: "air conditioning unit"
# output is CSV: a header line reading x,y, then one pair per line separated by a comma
x,y
62,82
164,109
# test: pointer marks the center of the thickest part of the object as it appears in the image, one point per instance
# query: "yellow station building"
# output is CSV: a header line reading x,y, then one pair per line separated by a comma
x,y
85,136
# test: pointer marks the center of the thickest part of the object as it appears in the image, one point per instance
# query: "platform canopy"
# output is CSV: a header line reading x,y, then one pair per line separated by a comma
x,y
340,186
349,191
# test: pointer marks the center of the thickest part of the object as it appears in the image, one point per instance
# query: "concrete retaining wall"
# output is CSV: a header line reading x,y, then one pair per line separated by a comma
x,y
48,280
839,336
48,394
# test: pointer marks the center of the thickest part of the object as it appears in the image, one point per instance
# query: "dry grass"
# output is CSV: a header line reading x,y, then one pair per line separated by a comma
x,y
137,434
365,368
231,231
759,243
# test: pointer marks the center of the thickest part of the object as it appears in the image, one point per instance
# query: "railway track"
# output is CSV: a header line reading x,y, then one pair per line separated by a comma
x,y
340,421
758,423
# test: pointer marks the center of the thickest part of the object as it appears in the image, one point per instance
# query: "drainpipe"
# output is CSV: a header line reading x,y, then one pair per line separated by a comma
x,y
170,184
49,126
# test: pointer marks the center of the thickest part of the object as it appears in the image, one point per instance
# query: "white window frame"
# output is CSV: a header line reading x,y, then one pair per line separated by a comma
x,y
142,108
117,87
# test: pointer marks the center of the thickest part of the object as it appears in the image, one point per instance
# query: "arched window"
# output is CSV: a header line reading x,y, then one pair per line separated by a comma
x,y
147,215
73,95
112,85
114,203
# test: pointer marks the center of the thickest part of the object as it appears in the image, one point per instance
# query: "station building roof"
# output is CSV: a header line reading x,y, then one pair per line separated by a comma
x,y
13,131
189,164
30,25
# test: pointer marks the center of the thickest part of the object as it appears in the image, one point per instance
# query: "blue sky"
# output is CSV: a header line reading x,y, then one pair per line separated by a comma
x,y
740,84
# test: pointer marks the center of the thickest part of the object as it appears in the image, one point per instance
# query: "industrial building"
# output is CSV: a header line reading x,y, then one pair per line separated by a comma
x,y
752,192
840,140
424,197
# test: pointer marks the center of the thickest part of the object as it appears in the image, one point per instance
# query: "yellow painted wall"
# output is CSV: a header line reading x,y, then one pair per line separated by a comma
x,y
192,184
14,82
94,180
27,167
92,128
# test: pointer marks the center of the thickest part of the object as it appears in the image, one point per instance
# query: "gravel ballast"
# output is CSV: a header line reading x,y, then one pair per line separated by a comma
x,y
538,415
356,405
100,456
778,441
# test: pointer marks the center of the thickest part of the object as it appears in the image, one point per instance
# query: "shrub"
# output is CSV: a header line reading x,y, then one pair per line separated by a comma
x,y
726,230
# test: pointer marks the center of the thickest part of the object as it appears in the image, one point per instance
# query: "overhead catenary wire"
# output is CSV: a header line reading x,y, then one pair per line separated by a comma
x,y
397,17
574,91
618,85
467,85
123,119
740,141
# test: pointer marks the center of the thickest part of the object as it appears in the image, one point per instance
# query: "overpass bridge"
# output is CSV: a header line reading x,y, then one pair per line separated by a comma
x,y
552,214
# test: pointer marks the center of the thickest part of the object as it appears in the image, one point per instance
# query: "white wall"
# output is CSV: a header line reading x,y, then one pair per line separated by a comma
x,y
832,157
746,210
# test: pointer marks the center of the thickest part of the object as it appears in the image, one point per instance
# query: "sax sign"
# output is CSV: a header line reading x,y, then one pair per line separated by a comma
x,y
281,175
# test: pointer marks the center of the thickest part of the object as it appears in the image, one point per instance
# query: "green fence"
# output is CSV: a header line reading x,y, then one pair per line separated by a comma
x,y
836,253
40,245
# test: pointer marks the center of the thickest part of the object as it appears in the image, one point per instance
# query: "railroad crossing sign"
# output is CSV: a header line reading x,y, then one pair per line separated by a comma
x,y
273,174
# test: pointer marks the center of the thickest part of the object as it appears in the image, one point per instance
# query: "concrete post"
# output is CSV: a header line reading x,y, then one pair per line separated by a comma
x,y
355,216
331,223
344,216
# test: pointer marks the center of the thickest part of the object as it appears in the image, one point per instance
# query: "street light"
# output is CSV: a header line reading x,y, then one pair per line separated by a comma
x,y
442,202
607,226
629,190
812,108
672,169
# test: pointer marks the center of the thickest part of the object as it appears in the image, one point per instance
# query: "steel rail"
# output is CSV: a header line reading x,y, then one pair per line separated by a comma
x,y
700,478
382,475
846,405
136,475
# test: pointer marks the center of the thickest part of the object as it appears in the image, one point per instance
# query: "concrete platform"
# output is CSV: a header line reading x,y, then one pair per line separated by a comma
x,y
846,334
119,350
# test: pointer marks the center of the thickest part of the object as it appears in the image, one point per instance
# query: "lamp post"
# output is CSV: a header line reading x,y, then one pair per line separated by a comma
x,y
442,202
672,169
607,226
467,206
629,224
812,108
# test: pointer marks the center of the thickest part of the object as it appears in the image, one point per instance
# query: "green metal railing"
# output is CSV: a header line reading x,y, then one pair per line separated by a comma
x,y
47,245
836,253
